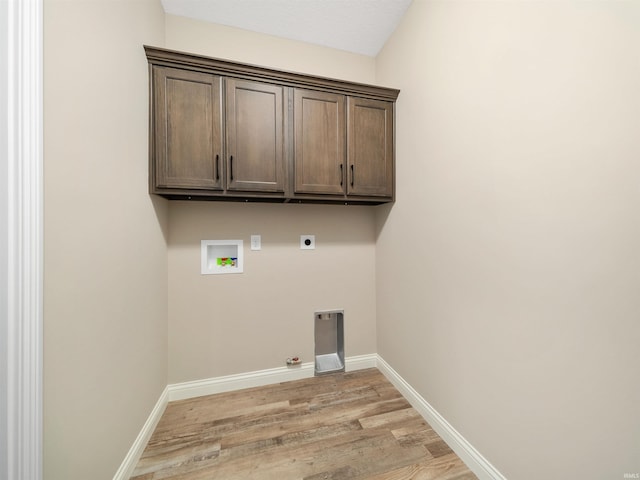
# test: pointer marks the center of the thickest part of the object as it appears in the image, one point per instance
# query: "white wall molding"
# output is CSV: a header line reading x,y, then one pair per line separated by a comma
x,y
469,455
228,383
135,452
361,362
22,96
259,378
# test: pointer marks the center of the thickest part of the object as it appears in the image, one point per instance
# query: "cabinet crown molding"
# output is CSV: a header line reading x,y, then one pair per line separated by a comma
x,y
191,61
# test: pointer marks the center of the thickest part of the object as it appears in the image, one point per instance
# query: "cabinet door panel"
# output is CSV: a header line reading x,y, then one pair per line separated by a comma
x,y
370,140
255,116
320,154
188,129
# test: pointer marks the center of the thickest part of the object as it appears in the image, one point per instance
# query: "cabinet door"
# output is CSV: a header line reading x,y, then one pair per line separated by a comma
x,y
320,154
187,124
254,122
370,146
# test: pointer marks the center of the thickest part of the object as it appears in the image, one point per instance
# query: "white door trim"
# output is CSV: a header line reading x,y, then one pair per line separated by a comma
x,y
22,232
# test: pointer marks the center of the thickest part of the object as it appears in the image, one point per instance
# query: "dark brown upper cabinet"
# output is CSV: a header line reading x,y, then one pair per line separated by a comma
x,y
222,130
370,138
319,138
255,136
187,129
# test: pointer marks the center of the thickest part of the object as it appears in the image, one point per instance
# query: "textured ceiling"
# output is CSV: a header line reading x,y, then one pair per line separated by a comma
x,y
359,26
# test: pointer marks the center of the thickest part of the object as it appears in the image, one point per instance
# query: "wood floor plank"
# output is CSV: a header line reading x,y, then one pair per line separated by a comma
x,y
346,426
387,419
449,467
326,457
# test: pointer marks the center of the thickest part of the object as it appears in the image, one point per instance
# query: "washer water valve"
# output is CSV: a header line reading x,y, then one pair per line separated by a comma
x,y
294,361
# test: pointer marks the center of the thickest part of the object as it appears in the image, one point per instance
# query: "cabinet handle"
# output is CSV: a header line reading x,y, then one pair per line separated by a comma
x,y
352,175
341,175
231,168
217,167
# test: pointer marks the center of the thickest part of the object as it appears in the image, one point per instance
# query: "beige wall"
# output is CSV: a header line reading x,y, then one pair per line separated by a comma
x,y
226,324
516,314
105,309
239,45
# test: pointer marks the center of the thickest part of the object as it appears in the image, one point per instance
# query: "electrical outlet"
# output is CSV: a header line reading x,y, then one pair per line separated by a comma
x,y
307,242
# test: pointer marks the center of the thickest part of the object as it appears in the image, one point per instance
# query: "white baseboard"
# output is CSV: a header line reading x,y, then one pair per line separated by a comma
x,y
135,452
259,378
361,362
228,383
469,455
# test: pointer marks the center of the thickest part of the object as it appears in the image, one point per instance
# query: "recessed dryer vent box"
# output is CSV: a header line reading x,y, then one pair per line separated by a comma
x,y
329,342
221,256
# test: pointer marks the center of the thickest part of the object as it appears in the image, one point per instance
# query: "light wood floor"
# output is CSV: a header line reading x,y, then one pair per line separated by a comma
x,y
342,426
